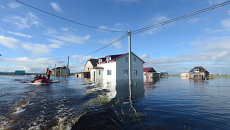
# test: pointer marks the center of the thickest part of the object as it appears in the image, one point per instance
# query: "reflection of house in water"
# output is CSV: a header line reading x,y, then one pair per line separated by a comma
x,y
120,88
91,63
150,75
114,67
198,73
61,71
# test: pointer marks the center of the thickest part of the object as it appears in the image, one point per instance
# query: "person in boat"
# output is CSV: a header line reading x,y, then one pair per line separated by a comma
x,y
48,72
36,77
43,77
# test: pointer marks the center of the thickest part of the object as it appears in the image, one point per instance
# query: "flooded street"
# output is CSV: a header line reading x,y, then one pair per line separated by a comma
x,y
170,103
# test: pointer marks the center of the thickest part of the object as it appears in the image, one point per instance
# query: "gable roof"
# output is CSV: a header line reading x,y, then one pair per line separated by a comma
x,y
200,68
93,62
116,57
149,69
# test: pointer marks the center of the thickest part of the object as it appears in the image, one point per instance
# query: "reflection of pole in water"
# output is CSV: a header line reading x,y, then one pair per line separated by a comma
x,y
130,68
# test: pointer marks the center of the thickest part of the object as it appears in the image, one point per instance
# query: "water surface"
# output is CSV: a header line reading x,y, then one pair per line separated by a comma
x,y
171,103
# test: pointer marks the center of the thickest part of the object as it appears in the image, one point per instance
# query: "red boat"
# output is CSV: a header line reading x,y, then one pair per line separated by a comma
x,y
42,81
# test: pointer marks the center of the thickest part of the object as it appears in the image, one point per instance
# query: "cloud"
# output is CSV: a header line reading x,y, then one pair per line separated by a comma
x,y
117,45
193,21
156,20
225,27
20,34
55,6
55,43
31,64
27,21
212,53
73,38
225,23
68,37
9,42
14,5
65,29
36,49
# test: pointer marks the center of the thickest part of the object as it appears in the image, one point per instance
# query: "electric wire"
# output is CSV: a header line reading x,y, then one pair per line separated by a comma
x,y
66,19
181,17
113,42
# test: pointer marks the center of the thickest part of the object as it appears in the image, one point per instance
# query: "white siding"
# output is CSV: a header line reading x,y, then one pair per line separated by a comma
x,y
88,66
109,66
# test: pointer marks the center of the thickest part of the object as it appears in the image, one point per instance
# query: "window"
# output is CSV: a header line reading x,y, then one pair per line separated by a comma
x,y
100,60
126,59
109,72
99,73
134,60
108,59
135,72
125,72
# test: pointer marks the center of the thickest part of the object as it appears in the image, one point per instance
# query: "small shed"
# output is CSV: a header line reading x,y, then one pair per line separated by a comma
x,y
20,72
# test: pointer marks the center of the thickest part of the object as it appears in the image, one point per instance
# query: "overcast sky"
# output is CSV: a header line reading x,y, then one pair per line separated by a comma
x,y
31,40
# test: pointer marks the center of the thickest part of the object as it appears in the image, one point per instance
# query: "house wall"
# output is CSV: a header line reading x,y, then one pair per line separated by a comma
x,y
98,75
122,65
184,75
109,66
197,75
88,66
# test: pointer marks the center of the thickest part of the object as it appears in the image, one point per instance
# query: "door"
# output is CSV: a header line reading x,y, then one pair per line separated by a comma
x,y
94,75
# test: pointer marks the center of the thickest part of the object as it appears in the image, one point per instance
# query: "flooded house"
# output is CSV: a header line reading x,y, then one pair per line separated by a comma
x,y
115,67
198,73
61,71
150,74
90,64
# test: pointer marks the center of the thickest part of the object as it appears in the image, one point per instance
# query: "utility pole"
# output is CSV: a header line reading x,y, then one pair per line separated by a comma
x,y
130,67
55,73
67,68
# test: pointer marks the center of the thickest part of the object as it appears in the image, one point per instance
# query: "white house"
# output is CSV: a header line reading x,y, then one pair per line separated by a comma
x,y
115,67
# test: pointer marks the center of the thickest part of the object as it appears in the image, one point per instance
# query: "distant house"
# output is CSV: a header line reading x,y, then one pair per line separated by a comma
x,y
164,74
90,64
198,73
184,75
115,67
61,72
150,75
20,72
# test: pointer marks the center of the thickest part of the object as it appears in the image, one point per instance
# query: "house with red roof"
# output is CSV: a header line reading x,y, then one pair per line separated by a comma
x,y
115,67
150,74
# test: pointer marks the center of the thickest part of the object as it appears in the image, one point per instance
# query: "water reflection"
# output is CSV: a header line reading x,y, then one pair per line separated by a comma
x,y
120,88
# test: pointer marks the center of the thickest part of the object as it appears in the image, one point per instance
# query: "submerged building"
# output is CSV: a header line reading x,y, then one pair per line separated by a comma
x,y
198,73
115,67
150,74
90,64
61,72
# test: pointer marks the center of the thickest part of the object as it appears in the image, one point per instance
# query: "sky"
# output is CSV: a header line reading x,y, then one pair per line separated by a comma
x,y
31,40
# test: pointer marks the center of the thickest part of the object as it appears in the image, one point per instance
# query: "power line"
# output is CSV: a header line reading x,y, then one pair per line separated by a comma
x,y
113,42
69,20
118,39
181,17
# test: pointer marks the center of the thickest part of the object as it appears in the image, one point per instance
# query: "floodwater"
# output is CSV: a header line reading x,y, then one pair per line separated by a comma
x,y
170,103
